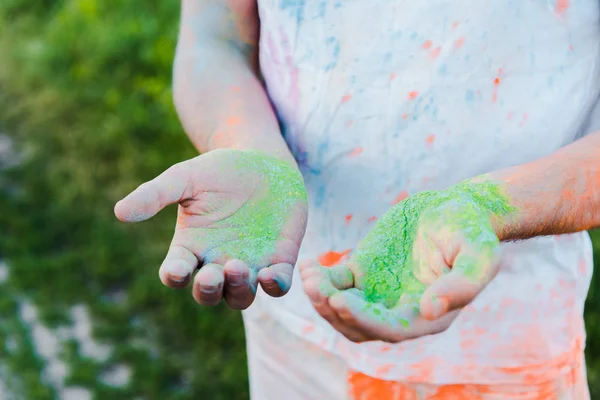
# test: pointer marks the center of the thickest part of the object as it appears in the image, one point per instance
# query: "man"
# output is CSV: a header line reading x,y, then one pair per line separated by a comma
x,y
377,105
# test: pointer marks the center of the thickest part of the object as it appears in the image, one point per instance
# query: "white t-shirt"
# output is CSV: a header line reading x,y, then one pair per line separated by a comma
x,y
381,99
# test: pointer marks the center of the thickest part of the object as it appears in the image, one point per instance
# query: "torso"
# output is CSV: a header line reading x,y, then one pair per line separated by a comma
x,y
384,100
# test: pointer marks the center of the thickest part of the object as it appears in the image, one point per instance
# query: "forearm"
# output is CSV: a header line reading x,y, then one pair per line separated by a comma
x,y
218,94
554,195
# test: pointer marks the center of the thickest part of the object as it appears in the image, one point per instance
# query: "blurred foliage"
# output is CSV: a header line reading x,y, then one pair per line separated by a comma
x,y
85,91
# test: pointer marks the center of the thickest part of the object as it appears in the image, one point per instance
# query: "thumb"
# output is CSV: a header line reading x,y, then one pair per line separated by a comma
x,y
467,278
149,198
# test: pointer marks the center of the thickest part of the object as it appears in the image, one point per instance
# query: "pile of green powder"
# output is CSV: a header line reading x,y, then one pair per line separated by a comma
x,y
257,225
386,254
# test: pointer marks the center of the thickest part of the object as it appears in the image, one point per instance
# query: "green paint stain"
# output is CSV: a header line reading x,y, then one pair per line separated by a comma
x,y
258,224
386,254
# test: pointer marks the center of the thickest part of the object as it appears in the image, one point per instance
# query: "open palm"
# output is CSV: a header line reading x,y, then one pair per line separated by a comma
x,y
241,218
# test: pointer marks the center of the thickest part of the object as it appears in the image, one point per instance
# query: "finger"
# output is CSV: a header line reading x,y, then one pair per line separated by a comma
x,y
376,322
469,275
371,319
149,198
208,285
178,267
276,279
346,323
321,282
341,276
318,288
428,262
239,289
420,326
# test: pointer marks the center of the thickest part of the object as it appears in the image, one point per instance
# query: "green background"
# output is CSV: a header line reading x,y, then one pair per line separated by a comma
x,y
85,94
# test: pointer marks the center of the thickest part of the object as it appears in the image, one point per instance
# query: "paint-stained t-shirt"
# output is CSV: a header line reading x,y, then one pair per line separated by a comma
x,y
382,99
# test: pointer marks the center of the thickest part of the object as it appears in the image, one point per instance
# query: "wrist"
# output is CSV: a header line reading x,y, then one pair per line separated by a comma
x,y
493,198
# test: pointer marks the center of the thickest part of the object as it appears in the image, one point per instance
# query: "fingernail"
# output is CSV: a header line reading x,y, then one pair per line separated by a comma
x,y
178,278
439,306
209,289
236,280
280,283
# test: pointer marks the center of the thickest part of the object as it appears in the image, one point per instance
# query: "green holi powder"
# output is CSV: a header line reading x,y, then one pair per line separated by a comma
x,y
259,222
385,255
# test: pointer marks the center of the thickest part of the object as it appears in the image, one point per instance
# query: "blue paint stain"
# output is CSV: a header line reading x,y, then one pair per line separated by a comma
x,y
337,5
332,41
413,36
295,7
387,57
470,96
322,8
531,59
320,199
550,81
443,70
353,79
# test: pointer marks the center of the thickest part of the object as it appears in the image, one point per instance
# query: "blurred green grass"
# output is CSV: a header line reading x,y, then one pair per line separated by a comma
x,y
85,92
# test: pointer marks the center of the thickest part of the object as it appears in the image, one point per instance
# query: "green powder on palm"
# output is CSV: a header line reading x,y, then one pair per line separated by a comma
x,y
251,233
386,254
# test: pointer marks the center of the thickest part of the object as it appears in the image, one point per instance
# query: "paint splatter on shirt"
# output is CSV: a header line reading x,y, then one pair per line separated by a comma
x,y
433,94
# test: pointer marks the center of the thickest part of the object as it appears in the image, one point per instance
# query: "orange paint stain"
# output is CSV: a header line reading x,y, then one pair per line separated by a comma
x,y
349,123
348,218
468,343
332,258
427,44
430,139
235,89
459,43
232,121
308,329
571,47
392,76
496,84
218,135
385,348
582,266
561,6
462,392
372,219
356,152
346,98
413,95
404,116
383,370
361,386
403,195
435,52
455,24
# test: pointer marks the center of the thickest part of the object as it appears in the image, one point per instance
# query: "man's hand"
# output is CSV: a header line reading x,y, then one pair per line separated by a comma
x,y
241,219
425,259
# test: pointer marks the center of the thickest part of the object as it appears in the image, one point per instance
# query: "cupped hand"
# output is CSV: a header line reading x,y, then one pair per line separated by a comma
x,y
425,258
241,218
